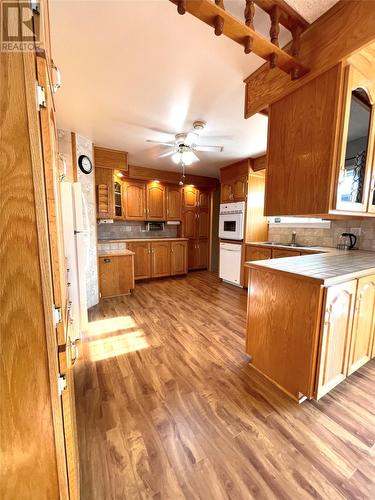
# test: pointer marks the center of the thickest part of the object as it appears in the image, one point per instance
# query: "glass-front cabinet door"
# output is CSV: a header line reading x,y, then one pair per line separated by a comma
x,y
371,201
356,161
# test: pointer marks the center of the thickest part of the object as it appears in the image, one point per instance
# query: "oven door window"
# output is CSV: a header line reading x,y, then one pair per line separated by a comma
x,y
230,226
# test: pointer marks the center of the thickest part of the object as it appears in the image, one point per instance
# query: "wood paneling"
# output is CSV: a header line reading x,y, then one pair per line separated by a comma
x,y
174,203
116,275
134,200
179,257
110,158
256,222
156,201
104,192
160,259
335,337
344,29
142,259
363,324
186,416
302,148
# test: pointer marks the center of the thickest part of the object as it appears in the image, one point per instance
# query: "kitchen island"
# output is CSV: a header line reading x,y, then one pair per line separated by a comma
x,y
311,319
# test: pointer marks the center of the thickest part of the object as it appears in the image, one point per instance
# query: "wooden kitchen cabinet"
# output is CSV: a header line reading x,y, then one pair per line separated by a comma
x,y
203,223
155,201
179,257
233,180
160,259
174,203
363,324
254,253
189,223
111,158
189,197
142,259
203,199
335,336
315,165
116,275
134,200
278,253
104,193
198,254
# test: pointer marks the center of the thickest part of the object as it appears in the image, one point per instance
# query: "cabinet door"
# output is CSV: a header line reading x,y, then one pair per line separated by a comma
x,y
156,206
134,193
226,195
104,193
189,223
239,189
363,324
371,201
118,211
189,197
279,253
179,257
174,203
192,254
142,259
160,259
116,275
203,199
203,223
357,143
202,255
335,336
254,253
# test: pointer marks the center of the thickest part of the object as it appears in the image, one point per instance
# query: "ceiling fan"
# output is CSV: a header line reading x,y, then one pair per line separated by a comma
x,y
185,146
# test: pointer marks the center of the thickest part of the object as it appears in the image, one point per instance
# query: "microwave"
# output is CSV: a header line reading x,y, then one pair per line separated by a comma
x,y
231,221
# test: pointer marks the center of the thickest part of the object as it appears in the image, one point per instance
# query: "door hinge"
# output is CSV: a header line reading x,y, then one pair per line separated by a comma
x,y
41,96
57,315
61,384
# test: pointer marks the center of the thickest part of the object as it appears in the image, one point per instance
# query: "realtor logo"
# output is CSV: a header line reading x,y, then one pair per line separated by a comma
x,y
19,31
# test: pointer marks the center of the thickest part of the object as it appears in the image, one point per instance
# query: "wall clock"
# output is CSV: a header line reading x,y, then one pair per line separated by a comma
x,y
85,164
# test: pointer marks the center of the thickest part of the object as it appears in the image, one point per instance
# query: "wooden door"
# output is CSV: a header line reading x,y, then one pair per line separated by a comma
x,y
189,223
203,199
192,254
174,203
202,255
134,193
335,336
189,197
203,223
179,257
160,259
142,259
226,195
63,354
239,189
104,193
363,324
156,203
116,275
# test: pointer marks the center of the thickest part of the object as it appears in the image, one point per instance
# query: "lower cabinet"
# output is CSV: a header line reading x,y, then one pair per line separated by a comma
x,y
198,254
116,275
254,253
159,258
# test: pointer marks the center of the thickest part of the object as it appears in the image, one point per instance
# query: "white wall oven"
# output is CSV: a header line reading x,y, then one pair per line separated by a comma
x,y
231,221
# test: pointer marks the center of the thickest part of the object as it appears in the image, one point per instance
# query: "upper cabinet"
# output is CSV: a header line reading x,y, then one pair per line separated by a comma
x,y
174,203
104,193
321,147
156,203
134,200
111,158
234,182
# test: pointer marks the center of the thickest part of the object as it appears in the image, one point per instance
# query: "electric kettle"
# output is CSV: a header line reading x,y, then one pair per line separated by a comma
x,y
347,241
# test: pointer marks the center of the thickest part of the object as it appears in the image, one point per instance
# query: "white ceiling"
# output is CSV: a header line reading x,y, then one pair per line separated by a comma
x,y
134,70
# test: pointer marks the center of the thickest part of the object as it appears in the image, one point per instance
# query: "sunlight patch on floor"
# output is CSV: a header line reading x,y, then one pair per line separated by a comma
x,y
97,328
109,347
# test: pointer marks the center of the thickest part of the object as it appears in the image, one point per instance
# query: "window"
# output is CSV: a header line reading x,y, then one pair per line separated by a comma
x,y
298,222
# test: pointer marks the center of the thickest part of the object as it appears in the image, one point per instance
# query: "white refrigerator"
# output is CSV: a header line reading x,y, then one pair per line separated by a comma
x,y
76,234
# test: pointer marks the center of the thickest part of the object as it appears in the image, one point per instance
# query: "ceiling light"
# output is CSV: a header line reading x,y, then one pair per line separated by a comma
x,y
177,157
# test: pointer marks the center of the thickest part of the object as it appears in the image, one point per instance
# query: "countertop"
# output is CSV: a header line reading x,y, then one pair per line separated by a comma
x,y
329,267
130,240
303,249
112,253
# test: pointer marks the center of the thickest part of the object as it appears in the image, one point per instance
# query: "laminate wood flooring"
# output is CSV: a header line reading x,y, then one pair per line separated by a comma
x,y
168,407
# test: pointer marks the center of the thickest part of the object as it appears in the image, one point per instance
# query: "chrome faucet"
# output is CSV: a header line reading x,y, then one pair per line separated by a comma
x,y
294,235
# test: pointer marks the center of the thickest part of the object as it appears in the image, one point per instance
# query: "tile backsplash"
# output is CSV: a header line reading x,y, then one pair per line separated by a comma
x,y
327,237
123,230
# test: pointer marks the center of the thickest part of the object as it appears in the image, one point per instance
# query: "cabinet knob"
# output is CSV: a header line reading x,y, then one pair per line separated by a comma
x,y
107,261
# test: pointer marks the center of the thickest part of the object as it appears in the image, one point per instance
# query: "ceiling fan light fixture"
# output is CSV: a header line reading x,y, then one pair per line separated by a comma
x,y
176,158
188,157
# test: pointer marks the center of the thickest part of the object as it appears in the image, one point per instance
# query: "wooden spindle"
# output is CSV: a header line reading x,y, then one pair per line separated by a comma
x,y
296,47
274,32
248,45
220,3
181,7
249,13
273,60
219,25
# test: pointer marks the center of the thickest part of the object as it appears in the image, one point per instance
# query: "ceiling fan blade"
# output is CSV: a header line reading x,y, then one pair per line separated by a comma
x,y
195,156
160,142
168,153
216,149
190,138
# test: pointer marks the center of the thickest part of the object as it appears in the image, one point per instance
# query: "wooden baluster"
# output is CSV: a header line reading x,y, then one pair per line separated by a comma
x,y
248,45
249,13
220,3
296,33
219,25
181,7
274,32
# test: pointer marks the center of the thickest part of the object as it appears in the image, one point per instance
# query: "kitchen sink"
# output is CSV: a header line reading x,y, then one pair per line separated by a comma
x,y
292,245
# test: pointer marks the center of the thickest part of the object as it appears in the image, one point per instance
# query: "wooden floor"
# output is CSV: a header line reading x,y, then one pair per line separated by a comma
x,y
169,408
